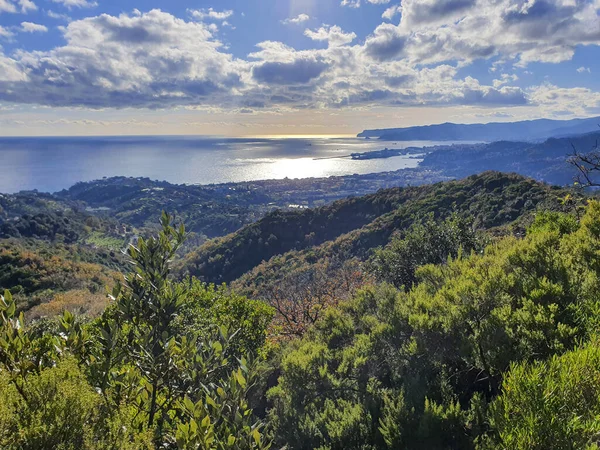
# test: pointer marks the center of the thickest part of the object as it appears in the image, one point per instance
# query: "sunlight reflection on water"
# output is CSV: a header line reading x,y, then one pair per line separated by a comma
x,y
52,164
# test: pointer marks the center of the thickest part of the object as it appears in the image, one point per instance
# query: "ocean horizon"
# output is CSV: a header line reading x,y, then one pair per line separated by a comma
x,y
53,163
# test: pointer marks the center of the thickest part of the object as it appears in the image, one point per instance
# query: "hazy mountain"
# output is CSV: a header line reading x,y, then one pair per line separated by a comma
x,y
528,130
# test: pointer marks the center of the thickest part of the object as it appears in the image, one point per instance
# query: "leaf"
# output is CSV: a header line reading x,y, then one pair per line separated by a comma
x,y
256,435
189,405
240,378
12,307
210,401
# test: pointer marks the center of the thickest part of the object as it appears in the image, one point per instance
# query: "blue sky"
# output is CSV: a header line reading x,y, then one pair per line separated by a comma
x,y
263,67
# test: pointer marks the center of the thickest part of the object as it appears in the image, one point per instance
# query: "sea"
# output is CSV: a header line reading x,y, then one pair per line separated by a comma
x,y
50,164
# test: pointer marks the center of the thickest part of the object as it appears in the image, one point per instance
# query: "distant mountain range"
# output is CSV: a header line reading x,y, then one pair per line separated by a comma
x,y
528,130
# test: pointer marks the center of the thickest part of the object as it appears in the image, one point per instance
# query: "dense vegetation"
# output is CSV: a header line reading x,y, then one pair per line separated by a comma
x,y
461,315
164,364
355,227
46,278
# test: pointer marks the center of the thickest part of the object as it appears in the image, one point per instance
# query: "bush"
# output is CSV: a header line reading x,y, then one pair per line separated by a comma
x,y
550,405
58,409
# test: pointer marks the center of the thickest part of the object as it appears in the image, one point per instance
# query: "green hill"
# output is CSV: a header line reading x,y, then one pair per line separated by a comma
x,y
355,226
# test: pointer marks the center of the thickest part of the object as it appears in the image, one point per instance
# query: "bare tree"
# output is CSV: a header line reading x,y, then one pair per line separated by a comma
x,y
303,295
587,165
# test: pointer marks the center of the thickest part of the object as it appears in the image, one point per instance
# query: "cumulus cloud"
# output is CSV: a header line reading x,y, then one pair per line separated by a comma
x,y
7,6
386,43
504,79
30,27
391,12
356,3
282,65
6,33
77,3
211,14
525,31
27,5
14,6
55,15
578,101
9,71
300,18
299,71
334,35
147,60
156,60
584,69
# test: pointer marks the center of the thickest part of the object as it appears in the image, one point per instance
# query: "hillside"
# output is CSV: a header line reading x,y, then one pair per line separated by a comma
x,y
529,130
46,278
544,161
220,209
355,226
498,321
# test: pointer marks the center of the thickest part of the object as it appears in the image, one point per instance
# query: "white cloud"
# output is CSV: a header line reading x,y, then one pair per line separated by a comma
x,y
388,42
55,15
578,101
584,69
334,35
77,3
151,60
30,27
210,14
356,3
27,5
10,71
156,60
7,6
436,31
504,79
6,33
391,12
300,18
14,6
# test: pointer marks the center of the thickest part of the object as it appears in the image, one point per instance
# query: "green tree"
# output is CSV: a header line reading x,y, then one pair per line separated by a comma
x,y
426,242
156,364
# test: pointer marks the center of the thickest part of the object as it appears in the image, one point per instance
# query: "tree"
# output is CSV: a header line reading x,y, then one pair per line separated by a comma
x,y
426,242
302,296
587,165
145,366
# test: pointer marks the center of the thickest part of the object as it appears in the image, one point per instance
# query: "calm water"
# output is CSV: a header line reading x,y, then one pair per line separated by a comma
x,y
52,164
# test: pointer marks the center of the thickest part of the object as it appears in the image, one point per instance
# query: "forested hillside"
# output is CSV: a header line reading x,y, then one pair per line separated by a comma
x,y
353,227
475,327
544,161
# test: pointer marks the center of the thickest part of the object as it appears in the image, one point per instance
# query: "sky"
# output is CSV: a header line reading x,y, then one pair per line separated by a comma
x,y
291,67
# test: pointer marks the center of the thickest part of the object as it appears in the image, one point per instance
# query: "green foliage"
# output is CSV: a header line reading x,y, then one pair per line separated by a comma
x,y
207,306
465,347
554,221
222,419
489,200
419,368
58,409
426,242
36,273
155,368
553,404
